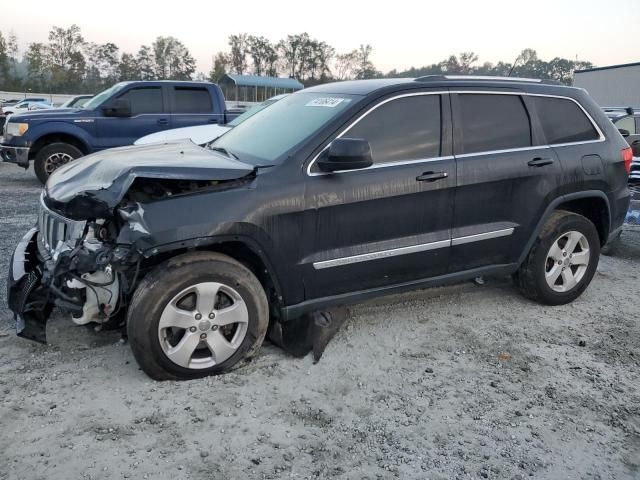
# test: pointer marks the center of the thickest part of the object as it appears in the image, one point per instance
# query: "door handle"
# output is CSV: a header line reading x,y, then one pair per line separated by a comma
x,y
540,162
163,121
212,120
431,176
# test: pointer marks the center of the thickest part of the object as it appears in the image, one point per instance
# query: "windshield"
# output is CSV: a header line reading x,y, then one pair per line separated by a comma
x,y
264,137
251,112
102,96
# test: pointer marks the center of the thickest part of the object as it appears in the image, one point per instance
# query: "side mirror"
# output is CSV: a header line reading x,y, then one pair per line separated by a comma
x,y
346,154
623,132
120,107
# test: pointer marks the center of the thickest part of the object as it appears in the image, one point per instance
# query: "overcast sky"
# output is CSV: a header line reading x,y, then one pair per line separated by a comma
x,y
402,33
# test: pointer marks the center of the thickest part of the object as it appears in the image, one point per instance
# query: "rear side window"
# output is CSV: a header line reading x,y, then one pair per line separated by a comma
x,y
407,128
563,121
494,122
144,100
191,100
627,123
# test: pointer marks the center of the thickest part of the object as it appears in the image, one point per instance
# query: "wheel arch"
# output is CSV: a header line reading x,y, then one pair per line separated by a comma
x,y
592,204
58,137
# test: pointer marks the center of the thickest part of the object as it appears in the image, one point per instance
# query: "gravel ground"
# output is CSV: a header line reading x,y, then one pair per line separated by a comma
x,y
456,382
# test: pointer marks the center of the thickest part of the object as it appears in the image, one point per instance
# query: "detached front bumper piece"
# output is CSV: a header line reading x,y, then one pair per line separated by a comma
x,y
28,299
19,155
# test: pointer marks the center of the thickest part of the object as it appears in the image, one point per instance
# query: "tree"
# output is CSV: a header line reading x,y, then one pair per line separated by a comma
x,y
364,66
146,65
5,67
238,56
220,66
172,59
128,68
37,71
102,65
261,52
65,58
290,50
345,65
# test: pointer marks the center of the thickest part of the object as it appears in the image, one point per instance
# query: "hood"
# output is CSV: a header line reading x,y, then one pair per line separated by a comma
x,y
93,185
199,134
51,114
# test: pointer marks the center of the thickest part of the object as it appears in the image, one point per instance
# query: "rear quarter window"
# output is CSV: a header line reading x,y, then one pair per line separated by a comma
x,y
563,121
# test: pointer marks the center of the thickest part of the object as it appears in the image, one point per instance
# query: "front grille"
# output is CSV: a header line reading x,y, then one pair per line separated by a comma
x,y
55,228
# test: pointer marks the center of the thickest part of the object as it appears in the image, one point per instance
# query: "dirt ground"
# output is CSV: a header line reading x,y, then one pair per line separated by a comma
x,y
451,383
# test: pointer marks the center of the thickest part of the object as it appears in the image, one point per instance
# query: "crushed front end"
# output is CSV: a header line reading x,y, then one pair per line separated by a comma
x,y
72,264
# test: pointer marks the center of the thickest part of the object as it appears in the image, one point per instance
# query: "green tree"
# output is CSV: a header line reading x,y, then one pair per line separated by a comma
x,y
220,66
128,68
65,58
37,70
238,56
364,65
172,59
5,67
262,54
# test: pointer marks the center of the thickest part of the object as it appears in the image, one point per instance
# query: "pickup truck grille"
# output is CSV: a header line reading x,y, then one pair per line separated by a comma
x,y
55,228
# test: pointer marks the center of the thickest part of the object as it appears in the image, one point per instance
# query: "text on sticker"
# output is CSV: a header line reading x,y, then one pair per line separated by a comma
x,y
325,102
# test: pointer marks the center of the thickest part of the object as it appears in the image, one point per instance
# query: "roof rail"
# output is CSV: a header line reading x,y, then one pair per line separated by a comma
x,y
627,110
427,78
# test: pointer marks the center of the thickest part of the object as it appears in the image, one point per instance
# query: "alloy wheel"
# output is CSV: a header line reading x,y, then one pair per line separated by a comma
x,y
567,261
56,160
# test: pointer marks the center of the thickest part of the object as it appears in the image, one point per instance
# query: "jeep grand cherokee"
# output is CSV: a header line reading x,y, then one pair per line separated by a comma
x,y
335,194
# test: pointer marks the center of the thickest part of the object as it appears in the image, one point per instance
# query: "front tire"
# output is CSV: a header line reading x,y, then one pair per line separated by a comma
x,y
195,315
562,260
53,156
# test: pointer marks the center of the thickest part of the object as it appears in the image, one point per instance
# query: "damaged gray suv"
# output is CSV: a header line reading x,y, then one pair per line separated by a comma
x,y
333,195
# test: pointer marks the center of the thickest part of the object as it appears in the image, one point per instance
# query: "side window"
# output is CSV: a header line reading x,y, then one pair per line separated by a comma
x,y
627,123
191,100
144,100
493,122
563,121
408,128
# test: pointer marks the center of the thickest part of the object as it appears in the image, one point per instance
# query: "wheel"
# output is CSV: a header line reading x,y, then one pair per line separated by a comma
x,y
612,246
53,156
562,261
197,314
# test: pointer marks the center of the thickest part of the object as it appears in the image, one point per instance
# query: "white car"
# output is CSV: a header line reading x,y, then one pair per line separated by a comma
x,y
26,106
202,134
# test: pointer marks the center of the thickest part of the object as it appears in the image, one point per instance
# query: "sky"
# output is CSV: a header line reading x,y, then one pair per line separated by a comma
x,y
402,33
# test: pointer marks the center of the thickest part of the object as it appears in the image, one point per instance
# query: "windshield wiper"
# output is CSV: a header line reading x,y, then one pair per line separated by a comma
x,y
225,151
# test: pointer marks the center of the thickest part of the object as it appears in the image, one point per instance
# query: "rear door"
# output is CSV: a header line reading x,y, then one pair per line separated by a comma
x,y
149,114
389,223
194,105
506,177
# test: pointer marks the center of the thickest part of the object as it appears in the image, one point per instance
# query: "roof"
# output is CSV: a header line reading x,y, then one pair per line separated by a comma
x,y
365,87
260,81
610,67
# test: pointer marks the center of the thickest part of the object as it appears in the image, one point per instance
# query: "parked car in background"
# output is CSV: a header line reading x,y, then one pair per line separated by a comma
x,y
333,195
77,101
627,121
26,106
203,134
116,117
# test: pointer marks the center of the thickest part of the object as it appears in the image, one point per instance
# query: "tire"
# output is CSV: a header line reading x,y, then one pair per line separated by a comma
x,y
174,293
53,156
542,278
612,246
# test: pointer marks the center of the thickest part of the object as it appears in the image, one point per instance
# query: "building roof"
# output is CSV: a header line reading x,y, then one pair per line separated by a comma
x,y
260,81
610,67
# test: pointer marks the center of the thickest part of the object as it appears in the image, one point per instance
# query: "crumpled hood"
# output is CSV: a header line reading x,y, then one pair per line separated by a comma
x,y
98,182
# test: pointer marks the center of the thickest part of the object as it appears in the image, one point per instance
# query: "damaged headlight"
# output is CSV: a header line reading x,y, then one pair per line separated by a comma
x,y
16,129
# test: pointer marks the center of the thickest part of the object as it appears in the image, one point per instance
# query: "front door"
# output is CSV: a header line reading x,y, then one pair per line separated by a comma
x,y
506,176
148,115
389,223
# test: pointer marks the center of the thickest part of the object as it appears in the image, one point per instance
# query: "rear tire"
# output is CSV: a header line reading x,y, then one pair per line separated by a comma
x,y
562,260
51,157
177,319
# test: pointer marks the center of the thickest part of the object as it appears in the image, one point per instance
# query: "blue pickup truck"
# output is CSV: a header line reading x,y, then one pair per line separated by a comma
x,y
114,118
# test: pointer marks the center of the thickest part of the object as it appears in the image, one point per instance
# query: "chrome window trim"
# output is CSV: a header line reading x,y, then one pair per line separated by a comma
x,y
422,247
601,136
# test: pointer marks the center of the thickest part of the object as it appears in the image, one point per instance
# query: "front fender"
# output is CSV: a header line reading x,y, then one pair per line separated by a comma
x,y
83,132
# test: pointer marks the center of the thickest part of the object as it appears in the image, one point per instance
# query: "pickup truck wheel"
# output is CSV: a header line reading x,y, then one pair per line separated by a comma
x,y
562,261
53,156
195,315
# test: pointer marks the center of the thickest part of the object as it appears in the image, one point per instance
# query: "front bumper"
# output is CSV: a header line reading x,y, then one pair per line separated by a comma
x,y
19,155
27,297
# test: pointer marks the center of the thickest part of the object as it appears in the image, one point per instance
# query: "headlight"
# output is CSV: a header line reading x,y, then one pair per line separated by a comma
x,y
17,129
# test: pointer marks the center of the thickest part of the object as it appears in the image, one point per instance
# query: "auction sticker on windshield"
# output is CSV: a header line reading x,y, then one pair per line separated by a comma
x,y
325,102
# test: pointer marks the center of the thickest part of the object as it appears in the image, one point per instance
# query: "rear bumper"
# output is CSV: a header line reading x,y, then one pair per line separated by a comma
x,y
18,155
27,297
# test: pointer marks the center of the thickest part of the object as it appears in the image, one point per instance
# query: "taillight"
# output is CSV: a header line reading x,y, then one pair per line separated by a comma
x,y
627,156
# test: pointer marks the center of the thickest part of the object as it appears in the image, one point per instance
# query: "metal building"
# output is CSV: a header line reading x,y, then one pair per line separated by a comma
x,y
614,86
254,88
